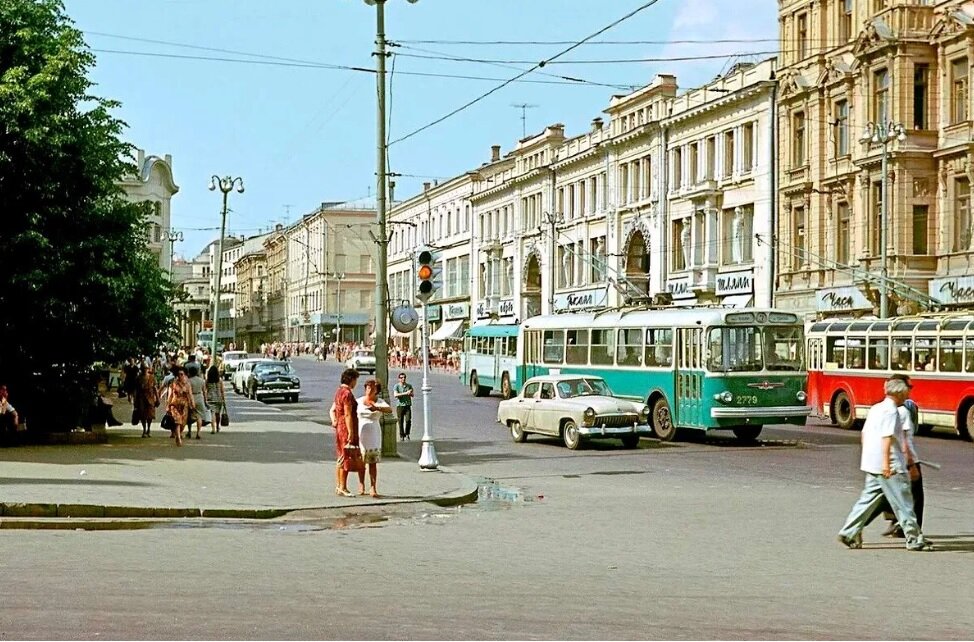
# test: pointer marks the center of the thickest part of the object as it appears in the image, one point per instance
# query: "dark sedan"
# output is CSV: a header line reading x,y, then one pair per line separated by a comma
x,y
273,379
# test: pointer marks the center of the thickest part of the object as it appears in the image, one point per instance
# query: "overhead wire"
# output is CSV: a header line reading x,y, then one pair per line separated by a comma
x,y
536,66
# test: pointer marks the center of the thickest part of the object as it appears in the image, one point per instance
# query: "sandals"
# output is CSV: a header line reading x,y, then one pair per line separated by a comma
x,y
341,492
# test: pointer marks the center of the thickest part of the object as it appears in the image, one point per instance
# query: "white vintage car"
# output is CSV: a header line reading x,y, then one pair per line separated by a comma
x,y
575,408
362,360
242,373
231,361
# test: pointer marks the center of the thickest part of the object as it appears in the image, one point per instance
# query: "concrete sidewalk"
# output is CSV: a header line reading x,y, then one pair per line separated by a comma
x,y
253,469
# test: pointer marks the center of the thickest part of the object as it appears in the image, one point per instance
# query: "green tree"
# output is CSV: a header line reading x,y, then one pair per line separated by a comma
x,y
79,284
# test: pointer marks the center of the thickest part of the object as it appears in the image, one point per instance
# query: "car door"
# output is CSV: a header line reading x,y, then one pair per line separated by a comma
x,y
543,416
525,404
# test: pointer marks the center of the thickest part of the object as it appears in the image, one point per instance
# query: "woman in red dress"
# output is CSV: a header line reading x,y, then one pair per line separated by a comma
x,y
345,421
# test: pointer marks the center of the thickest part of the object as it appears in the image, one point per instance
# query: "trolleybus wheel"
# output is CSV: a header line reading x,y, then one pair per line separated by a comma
x,y
843,414
965,430
506,391
663,421
475,388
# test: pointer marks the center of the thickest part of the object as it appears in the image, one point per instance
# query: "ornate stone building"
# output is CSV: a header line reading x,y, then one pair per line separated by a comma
x,y
846,64
153,182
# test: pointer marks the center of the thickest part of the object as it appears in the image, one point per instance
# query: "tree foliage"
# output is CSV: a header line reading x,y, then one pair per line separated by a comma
x,y
79,284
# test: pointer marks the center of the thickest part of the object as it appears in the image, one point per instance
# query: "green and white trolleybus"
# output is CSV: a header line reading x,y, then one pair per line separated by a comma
x,y
488,362
696,368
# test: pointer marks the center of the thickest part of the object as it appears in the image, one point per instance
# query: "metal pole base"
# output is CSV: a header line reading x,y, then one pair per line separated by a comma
x,y
428,460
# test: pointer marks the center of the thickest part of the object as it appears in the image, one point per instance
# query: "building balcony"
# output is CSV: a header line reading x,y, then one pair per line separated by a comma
x,y
700,189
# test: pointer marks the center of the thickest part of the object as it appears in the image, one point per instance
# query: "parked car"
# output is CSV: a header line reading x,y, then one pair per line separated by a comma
x,y
273,379
231,361
574,408
240,375
362,360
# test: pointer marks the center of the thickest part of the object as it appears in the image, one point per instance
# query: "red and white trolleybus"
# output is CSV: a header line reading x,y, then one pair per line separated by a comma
x,y
849,359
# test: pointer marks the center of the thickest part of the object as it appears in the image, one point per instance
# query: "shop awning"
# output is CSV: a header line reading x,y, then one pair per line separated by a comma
x,y
737,300
449,330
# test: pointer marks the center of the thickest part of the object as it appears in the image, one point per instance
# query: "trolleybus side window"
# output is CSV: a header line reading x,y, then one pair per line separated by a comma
x,y
659,347
969,354
533,347
835,351
554,346
951,354
603,347
902,355
629,347
815,354
925,354
855,353
878,353
577,350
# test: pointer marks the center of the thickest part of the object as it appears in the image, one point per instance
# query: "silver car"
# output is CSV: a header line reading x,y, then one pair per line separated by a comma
x,y
574,408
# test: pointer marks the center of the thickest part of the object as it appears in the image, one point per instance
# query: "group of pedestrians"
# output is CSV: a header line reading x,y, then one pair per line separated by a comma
x,y
358,429
893,478
185,396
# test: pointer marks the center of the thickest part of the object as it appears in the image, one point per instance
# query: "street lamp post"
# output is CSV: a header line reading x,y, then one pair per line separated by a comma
x,y
339,276
883,134
173,237
226,185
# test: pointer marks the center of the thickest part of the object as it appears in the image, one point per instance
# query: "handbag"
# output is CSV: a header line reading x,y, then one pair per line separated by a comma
x,y
353,462
224,419
168,423
135,417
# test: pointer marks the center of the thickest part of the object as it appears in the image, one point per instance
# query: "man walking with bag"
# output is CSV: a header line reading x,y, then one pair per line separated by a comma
x,y
885,460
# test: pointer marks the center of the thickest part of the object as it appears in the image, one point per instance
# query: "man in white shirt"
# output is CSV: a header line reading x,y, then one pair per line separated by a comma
x,y
885,459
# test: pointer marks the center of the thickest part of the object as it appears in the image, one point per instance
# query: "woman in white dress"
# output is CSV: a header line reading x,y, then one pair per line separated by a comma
x,y
370,409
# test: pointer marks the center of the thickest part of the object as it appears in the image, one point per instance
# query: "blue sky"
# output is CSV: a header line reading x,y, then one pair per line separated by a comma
x,y
302,135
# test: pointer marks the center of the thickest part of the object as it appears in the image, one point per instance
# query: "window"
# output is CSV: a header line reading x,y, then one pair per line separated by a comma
x,y
698,230
694,163
878,353
623,183
925,354
659,348
597,253
958,90
962,215
576,351
798,139
802,35
843,234
728,169
951,355
547,391
554,346
678,167
737,232
748,146
902,354
845,20
798,238
711,158
881,96
681,244
629,348
920,217
602,349
841,132
921,82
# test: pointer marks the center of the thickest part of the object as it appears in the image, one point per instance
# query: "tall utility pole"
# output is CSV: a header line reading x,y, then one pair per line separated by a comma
x,y
524,117
883,134
173,237
382,240
226,185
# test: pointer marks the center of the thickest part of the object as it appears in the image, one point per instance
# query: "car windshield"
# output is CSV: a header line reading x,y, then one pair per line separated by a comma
x,y
583,387
752,348
363,354
272,368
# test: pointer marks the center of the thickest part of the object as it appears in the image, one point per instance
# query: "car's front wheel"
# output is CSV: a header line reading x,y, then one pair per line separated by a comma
x,y
570,435
517,432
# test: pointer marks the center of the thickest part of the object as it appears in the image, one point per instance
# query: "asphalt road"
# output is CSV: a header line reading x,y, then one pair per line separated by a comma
x,y
693,539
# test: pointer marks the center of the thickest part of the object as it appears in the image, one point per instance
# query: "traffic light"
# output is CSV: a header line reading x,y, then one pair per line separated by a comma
x,y
427,274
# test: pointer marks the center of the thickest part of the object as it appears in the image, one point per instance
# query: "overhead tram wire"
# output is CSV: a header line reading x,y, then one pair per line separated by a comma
x,y
621,61
451,57
536,66
327,66
590,42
